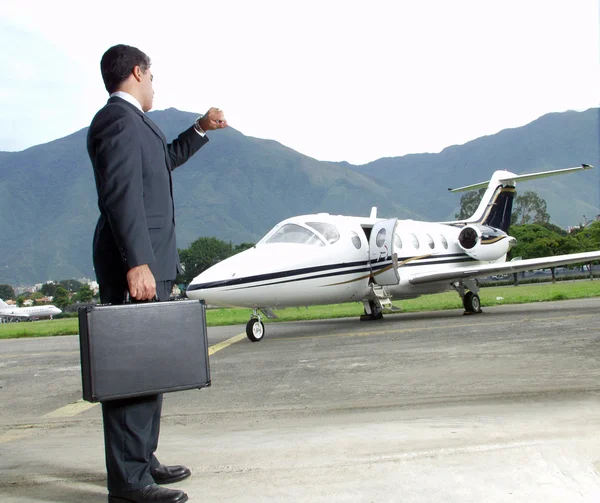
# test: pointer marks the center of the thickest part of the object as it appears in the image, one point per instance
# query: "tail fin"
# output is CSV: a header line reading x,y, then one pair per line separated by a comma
x,y
499,211
495,207
3,304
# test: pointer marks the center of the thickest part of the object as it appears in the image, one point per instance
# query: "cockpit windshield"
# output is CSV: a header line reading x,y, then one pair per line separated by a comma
x,y
328,231
292,233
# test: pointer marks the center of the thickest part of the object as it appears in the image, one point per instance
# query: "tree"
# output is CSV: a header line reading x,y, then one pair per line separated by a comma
x,y
202,253
85,294
469,203
20,300
48,289
72,285
554,228
242,247
534,241
61,298
529,208
35,296
589,237
7,292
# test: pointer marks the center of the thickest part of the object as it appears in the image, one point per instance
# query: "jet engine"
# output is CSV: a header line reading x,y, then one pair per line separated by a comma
x,y
484,243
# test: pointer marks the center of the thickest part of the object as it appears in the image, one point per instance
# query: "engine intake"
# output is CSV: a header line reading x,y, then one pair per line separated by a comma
x,y
484,243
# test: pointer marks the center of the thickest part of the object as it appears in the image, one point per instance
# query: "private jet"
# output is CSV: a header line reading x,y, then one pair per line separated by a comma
x,y
13,313
329,259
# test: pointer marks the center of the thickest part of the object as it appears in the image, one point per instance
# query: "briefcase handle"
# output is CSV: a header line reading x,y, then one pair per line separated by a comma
x,y
127,298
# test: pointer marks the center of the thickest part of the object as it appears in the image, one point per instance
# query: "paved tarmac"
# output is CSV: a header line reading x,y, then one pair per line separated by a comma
x,y
427,407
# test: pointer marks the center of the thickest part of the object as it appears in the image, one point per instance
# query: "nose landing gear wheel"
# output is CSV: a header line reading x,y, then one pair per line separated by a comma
x,y
472,303
255,330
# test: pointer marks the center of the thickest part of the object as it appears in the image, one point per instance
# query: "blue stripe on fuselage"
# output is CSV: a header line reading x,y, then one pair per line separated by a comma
x,y
334,270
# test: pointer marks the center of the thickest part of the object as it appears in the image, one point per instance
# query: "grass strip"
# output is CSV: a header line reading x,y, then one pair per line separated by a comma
x,y
490,296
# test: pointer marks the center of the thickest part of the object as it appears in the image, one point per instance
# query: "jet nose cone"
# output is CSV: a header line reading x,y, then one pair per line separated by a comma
x,y
211,284
199,286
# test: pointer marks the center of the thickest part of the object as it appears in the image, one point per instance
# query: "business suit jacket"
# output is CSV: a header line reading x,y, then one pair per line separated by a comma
x,y
132,166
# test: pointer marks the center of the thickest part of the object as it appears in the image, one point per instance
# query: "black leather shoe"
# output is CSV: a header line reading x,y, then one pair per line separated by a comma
x,y
151,494
169,474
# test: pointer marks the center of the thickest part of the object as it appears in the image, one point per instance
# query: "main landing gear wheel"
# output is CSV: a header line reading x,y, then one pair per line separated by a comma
x,y
472,303
375,314
255,330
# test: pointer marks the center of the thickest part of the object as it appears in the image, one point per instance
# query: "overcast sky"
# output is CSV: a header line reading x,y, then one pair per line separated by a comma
x,y
335,80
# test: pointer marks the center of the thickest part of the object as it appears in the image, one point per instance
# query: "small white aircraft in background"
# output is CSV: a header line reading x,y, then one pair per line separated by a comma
x,y
330,259
27,313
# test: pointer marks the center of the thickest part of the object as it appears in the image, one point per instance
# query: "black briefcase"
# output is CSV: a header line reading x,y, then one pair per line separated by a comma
x,y
133,350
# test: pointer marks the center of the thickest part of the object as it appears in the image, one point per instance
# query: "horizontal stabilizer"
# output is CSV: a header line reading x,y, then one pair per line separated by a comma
x,y
511,178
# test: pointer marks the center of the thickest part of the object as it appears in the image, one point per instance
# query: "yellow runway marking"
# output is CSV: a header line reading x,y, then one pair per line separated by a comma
x,y
222,345
25,430
80,406
16,434
71,409
11,435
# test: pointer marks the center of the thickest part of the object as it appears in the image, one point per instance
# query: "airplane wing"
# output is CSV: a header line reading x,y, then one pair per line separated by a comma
x,y
504,267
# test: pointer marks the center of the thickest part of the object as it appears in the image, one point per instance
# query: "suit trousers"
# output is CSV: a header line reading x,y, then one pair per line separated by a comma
x,y
131,425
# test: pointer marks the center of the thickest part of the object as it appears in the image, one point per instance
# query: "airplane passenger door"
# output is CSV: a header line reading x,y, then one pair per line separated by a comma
x,y
383,258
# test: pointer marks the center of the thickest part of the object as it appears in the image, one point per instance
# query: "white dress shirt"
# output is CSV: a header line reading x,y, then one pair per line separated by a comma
x,y
128,98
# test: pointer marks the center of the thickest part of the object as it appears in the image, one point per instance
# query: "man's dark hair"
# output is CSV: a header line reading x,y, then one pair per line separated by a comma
x,y
118,62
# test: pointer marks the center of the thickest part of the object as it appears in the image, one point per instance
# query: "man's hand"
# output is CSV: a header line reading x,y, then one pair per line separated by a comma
x,y
142,285
213,119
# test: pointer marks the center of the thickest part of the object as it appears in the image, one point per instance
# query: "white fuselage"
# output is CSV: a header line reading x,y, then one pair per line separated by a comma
x,y
288,267
29,312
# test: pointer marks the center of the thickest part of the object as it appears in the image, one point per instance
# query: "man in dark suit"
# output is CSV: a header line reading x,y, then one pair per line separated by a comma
x,y
134,250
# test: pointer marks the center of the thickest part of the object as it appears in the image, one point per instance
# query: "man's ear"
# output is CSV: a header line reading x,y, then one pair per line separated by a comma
x,y
137,73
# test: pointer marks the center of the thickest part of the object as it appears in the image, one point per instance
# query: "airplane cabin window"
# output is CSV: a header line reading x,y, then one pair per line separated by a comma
x,y
329,231
415,241
380,239
397,241
292,233
356,241
444,242
430,241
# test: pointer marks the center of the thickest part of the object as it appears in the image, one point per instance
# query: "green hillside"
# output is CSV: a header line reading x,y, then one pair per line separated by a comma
x,y
237,187
554,141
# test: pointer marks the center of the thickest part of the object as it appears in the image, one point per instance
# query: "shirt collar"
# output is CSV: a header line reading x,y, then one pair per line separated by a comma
x,y
128,98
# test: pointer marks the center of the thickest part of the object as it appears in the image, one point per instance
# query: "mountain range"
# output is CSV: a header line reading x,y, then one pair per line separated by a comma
x,y
237,187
